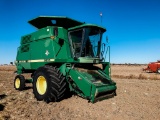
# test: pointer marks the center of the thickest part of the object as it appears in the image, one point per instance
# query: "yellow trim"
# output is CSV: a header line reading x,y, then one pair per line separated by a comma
x,y
17,83
36,60
40,60
41,85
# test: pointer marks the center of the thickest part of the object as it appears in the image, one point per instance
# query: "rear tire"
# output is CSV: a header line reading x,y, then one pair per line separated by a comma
x,y
19,82
158,70
49,84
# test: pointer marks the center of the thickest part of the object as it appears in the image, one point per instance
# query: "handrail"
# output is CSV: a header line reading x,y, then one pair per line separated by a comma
x,y
108,51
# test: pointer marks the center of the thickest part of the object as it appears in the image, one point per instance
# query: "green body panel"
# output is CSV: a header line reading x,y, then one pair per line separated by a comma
x,y
42,48
62,52
107,69
56,44
83,85
88,83
96,90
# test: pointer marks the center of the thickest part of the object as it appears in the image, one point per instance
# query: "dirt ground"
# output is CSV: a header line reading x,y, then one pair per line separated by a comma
x,y
132,72
136,99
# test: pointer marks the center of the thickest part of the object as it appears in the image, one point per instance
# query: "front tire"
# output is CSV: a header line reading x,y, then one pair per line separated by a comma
x,y
19,82
49,84
158,70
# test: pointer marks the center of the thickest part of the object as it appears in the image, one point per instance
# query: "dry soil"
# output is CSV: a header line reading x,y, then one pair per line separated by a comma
x,y
136,99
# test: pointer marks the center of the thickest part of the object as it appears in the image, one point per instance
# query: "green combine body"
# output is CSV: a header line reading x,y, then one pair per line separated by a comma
x,y
63,55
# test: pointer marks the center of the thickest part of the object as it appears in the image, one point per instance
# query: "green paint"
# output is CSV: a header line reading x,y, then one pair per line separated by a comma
x,y
72,46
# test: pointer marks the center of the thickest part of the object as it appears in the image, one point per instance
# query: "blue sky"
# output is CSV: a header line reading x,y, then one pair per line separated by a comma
x,y
133,26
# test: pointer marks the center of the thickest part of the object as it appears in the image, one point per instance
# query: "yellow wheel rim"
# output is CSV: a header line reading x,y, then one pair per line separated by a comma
x,y
17,83
41,85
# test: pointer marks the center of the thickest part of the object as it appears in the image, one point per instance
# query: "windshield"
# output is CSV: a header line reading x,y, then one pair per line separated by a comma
x,y
85,42
76,41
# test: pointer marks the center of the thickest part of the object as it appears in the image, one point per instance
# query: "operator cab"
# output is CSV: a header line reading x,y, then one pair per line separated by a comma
x,y
86,41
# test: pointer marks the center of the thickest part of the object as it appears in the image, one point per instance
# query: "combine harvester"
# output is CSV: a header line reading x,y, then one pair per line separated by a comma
x,y
153,67
62,56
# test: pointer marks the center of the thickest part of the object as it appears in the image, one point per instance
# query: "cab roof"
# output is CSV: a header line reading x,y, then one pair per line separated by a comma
x,y
88,25
61,21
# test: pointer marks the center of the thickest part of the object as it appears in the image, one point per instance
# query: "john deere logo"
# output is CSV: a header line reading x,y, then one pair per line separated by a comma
x,y
47,53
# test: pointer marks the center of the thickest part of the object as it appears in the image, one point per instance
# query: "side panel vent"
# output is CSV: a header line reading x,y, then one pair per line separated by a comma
x,y
25,48
26,39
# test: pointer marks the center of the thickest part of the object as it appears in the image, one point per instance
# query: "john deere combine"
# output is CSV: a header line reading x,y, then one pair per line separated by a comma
x,y
63,55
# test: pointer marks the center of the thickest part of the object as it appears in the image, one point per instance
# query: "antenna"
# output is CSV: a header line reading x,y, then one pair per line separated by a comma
x,y
101,17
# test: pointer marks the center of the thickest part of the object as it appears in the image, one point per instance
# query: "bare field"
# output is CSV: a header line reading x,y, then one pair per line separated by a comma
x,y
136,99
132,72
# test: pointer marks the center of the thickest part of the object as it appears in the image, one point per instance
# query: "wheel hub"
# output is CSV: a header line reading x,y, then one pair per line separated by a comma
x,y
41,85
17,83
